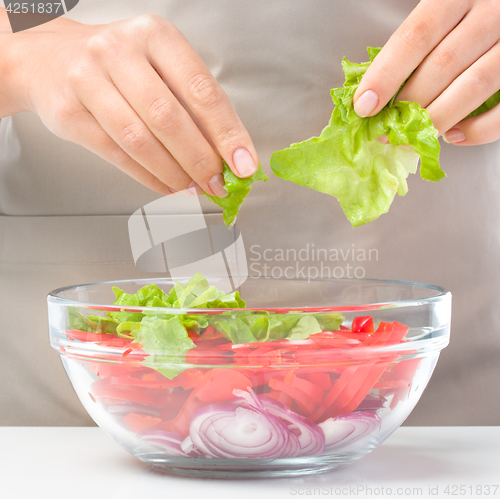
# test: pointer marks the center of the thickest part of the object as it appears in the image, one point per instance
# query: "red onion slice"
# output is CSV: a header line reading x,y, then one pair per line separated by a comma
x,y
233,432
188,448
168,442
344,430
309,434
372,403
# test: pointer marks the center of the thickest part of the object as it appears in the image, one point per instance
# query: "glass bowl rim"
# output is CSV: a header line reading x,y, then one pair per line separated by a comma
x,y
442,294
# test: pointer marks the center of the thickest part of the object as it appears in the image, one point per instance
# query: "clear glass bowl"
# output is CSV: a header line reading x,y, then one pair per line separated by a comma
x,y
268,408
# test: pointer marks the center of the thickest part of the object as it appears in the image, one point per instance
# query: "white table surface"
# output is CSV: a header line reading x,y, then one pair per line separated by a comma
x,y
75,463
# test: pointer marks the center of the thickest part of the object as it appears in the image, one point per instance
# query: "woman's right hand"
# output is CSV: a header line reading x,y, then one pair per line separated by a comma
x,y
134,92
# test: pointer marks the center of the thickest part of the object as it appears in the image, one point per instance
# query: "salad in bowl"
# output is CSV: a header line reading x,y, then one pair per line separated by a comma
x,y
282,377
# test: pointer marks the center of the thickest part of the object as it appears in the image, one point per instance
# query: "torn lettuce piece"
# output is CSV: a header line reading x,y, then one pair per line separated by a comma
x,y
251,328
166,342
305,327
195,294
346,160
237,189
165,333
486,106
234,328
329,321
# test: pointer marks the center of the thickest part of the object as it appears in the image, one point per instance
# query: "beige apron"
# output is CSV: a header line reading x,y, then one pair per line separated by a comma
x,y
63,211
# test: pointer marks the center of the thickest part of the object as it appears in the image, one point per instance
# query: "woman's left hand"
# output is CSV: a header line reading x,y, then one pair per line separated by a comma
x,y
453,49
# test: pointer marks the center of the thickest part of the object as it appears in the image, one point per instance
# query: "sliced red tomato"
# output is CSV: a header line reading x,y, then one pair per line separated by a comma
x,y
112,390
116,369
177,399
363,325
125,381
261,377
405,369
74,334
316,393
211,331
190,378
240,356
398,333
206,356
400,379
320,379
263,356
373,375
348,392
305,402
390,384
218,384
336,390
140,422
180,424
381,335
193,335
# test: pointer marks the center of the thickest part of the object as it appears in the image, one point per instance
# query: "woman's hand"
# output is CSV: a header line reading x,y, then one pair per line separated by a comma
x,y
453,48
135,93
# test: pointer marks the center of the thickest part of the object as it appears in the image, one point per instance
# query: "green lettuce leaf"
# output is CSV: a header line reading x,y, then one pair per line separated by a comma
x,y
196,293
79,322
251,328
281,324
234,328
259,326
346,160
237,189
104,324
194,322
231,300
143,298
166,342
305,326
486,106
329,321
164,335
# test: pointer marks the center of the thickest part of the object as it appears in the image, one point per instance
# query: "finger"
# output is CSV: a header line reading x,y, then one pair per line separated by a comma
x,y
419,34
452,56
467,92
129,132
169,122
87,132
477,130
191,81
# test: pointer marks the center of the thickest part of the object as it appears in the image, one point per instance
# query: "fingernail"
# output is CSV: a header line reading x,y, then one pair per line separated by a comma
x,y
453,136
217,186
366,103
195,189
244,163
